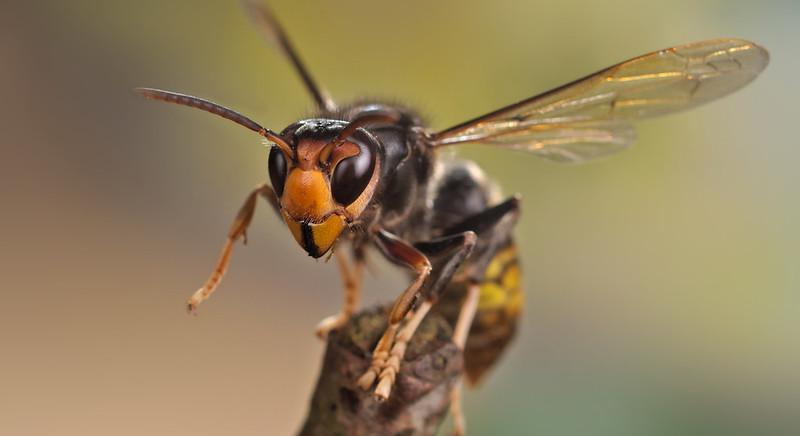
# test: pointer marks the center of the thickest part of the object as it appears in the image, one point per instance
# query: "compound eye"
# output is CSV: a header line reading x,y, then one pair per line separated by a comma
x,y
351,176
277,170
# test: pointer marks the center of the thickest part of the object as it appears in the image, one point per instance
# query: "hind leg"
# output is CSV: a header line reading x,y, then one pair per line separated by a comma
x,y
464,322
493,227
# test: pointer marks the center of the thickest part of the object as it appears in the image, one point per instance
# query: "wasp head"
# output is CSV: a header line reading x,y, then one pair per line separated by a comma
x,y
324,180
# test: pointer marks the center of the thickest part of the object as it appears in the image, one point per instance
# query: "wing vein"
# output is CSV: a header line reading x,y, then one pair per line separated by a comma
x,y
591,117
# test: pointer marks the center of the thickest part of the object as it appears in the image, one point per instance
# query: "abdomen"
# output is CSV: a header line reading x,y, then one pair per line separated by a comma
x,y
499,309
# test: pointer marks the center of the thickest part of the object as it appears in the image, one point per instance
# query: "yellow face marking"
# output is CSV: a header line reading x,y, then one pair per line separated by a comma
x,y
326,233
294,227
307,196
316,238
307,205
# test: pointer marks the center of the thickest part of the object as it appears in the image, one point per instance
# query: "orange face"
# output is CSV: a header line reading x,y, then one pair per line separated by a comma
x,y
325,185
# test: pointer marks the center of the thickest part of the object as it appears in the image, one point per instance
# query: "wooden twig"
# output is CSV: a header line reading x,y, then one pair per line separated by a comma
x,y
420,399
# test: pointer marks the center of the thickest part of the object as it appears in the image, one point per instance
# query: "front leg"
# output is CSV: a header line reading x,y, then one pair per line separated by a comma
x,y
405,254
237,230
445,254
352,293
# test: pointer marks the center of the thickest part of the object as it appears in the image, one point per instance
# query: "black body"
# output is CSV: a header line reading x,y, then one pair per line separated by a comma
x,y
422,197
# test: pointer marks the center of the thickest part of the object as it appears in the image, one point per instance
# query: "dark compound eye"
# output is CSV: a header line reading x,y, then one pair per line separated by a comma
x,y
352,175
277,170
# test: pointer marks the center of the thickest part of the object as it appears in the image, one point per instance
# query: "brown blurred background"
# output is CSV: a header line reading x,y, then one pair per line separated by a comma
x,y
662,284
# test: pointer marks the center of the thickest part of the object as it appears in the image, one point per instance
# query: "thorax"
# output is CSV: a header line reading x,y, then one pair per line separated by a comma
x,y
401,203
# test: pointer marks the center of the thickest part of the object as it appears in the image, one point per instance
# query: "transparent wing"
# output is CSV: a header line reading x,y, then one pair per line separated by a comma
x,y
569,142
590,117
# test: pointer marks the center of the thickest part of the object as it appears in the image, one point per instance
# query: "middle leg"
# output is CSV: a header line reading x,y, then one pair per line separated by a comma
x,y
443,257
352,293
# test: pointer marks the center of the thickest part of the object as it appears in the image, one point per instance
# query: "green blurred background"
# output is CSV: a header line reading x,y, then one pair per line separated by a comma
x,y
662,284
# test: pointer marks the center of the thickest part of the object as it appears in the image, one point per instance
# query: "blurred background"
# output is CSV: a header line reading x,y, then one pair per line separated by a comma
x,y
662,284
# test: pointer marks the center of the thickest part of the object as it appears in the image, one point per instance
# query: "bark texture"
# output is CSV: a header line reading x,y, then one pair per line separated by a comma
x,y
421,395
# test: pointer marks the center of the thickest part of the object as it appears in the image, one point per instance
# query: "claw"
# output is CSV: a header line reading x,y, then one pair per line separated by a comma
x,y
388,355
197,298
384,388
367,379
329,324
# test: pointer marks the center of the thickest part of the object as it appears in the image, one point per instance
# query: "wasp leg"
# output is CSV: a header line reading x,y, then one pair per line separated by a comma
x,y
437,260
401,252
237,230
493,227
466,315
352,294
456,411
460,332
392,364
446,255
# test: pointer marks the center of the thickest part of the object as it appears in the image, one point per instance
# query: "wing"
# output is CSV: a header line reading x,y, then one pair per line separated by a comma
x,y
591,117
